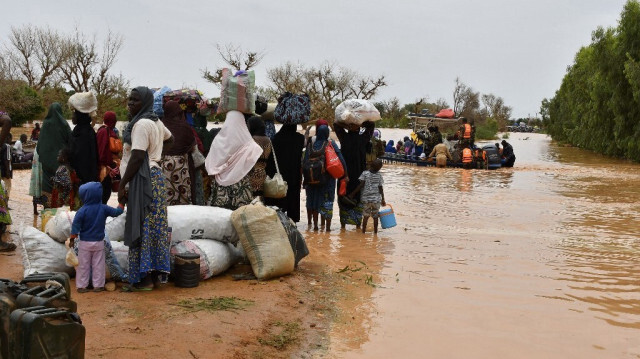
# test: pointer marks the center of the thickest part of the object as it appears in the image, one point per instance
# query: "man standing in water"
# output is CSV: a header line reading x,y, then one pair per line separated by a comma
x,y
5,218
508,157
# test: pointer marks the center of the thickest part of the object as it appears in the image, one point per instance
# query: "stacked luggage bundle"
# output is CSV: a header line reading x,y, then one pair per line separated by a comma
x,y
38,319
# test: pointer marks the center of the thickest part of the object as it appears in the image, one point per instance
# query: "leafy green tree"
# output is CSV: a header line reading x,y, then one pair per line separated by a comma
x,y
597,106
21,101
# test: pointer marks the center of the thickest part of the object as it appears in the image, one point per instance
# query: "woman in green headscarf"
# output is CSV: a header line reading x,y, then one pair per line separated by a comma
x,y
54,135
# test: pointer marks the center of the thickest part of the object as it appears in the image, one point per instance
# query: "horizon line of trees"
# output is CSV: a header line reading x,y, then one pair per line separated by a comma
x,y
40,65
597,106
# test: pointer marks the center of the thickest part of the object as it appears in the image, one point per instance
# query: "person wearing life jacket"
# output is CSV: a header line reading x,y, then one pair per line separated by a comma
x,y
465,133
467,158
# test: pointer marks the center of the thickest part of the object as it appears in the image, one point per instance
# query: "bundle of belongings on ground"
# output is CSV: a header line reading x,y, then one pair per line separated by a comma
x,y
356,112
220,237
38,319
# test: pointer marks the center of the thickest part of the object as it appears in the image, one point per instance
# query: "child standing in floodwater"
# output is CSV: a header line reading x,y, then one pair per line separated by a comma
x,y
89,224
371,194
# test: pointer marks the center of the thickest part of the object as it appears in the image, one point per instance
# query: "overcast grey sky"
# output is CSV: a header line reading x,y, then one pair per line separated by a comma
x,y
518,50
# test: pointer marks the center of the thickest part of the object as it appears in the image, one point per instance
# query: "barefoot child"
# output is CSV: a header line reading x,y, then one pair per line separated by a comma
x,y
89,225
371,194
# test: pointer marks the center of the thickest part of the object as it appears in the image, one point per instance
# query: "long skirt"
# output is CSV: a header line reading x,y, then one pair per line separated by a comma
x,y
233,196
153,252
35,185
350,214
178,180
320,198
5,217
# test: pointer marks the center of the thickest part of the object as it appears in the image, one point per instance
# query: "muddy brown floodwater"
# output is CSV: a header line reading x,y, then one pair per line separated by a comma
x,y
537,261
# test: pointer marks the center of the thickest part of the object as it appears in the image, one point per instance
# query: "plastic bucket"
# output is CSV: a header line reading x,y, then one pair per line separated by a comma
x,y
187,270
387,218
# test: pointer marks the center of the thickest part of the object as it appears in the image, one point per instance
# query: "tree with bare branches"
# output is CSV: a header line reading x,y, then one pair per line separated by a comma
x,y
236,58
327,85
466,101
36,54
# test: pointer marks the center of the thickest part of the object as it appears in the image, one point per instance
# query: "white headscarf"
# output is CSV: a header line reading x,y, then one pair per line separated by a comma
x,y
233,152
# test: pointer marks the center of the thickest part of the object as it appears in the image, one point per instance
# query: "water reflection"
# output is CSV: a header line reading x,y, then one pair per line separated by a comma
x,y
545,251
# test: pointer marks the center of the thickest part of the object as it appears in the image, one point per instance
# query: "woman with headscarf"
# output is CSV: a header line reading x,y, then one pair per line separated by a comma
x,y
288,145
108,159
320,197
176,162
354,149
391,148
83,144
258,173
146,229
54,136
232,155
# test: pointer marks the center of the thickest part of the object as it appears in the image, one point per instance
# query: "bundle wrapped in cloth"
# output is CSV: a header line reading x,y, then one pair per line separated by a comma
x,y
356,112
238,92
292,109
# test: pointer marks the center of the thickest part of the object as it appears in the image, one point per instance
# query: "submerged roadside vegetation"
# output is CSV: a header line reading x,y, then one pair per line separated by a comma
x,y
598,104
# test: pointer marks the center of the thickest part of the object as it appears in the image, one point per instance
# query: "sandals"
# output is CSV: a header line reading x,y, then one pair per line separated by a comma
x,y
99,289
83,290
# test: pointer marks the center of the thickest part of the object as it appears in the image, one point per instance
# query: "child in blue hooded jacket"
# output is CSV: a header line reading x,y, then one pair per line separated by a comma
x,y
89,224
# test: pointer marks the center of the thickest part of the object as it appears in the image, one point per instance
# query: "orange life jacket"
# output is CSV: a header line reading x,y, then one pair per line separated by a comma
x,y
467,156
467,131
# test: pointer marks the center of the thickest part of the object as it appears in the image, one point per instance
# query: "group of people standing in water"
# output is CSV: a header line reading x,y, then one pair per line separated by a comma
x,y
163,160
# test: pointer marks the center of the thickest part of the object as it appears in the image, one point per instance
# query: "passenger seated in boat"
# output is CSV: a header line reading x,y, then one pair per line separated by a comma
x,y
18,151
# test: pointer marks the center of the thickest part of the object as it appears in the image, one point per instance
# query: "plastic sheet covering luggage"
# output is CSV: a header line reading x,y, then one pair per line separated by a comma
x,y
201,222
41,254
264,240
115,227
157,100
238,91
356,112
215,257
40,332
121,254
296,239
59,227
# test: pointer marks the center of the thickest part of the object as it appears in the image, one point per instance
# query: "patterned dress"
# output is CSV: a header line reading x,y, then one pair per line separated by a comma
x,y
178,180
153,252
258,173
65,189
231,197
5,217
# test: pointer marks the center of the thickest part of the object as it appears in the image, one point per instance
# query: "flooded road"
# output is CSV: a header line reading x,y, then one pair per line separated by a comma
x,y
537,261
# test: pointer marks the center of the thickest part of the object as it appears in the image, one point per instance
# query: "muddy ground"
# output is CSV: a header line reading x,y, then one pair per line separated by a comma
x,y
287,317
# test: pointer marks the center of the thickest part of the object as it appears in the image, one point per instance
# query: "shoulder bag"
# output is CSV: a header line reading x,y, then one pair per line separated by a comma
x,y
276,186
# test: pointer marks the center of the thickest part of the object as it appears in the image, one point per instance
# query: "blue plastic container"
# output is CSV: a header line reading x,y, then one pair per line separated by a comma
x,y
387,218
